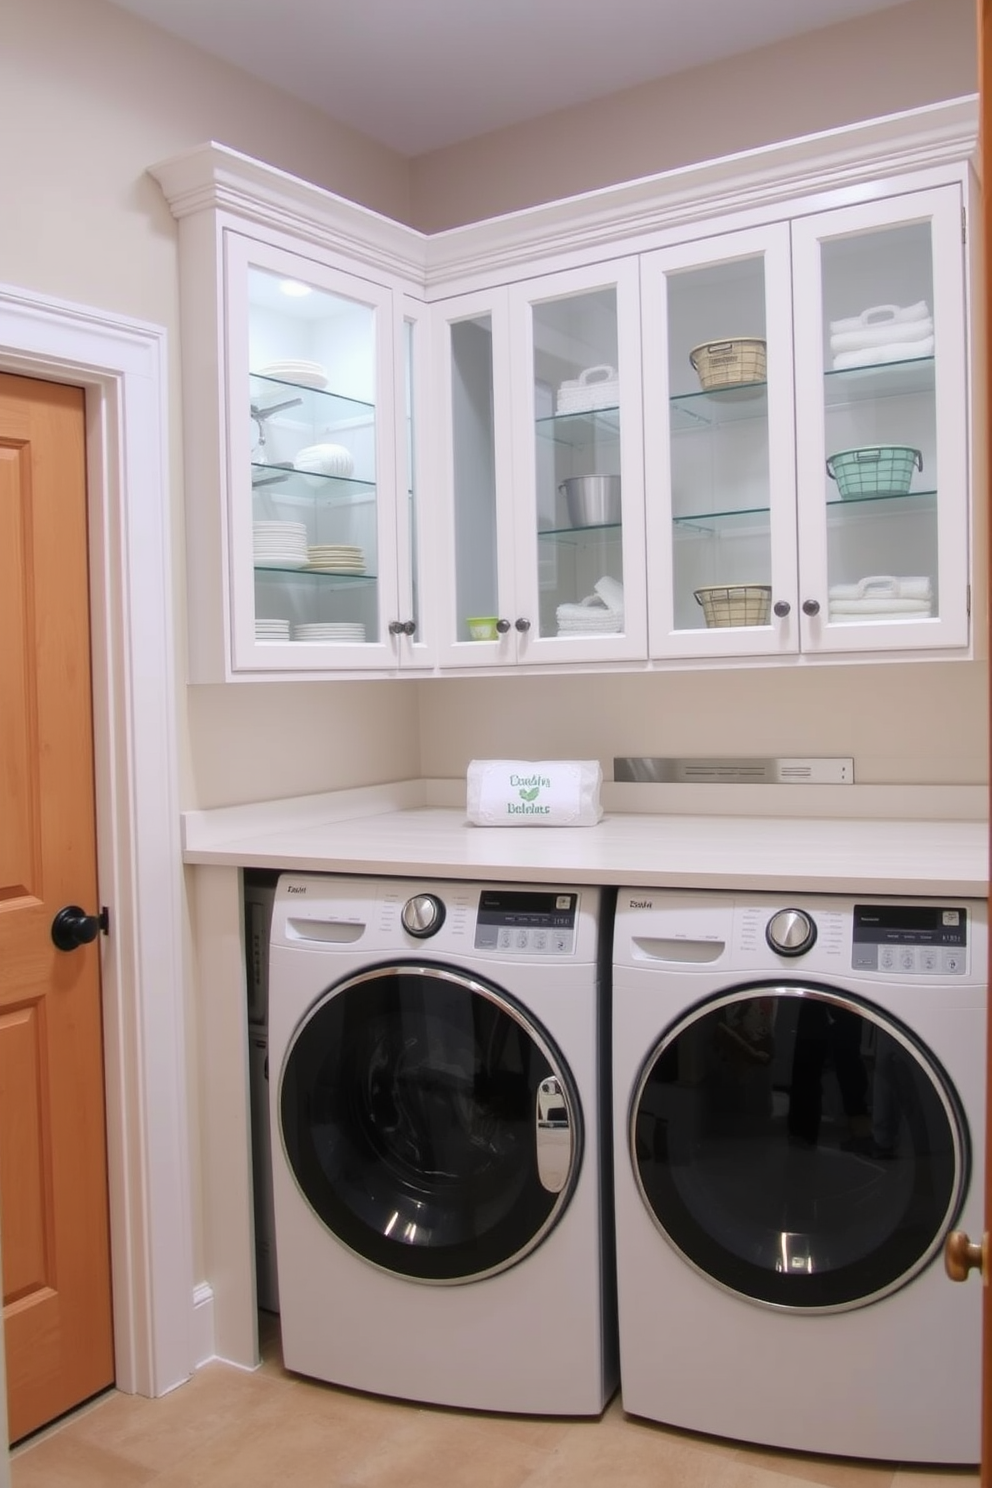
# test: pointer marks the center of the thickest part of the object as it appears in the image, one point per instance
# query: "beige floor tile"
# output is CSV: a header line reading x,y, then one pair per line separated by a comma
x,y
936,1477
61,1461
830,1472
439,1447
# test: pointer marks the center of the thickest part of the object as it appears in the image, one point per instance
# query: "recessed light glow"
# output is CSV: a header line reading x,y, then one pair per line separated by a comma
x,y
294,288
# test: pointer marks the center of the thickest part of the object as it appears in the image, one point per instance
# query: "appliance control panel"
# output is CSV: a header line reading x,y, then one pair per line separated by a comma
x,y
526,922
910,939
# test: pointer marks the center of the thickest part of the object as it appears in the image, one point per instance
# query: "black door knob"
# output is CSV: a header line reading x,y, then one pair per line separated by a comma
x,y
811,606
502,626
73,927
522,624
781,608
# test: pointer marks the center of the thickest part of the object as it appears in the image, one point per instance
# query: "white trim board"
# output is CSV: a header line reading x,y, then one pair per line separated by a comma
x,y
121,365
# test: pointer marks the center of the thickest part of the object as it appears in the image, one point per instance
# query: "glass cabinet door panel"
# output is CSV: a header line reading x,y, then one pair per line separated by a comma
x,y
474,461
717,357
886,344
578,465
312,413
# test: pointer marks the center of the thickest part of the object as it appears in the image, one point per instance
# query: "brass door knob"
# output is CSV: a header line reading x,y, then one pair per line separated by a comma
x,y
962,1255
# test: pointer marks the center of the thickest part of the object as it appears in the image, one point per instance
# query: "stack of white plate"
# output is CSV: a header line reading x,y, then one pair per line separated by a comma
x,y
280,544
271,630
329,632
303,374
336,558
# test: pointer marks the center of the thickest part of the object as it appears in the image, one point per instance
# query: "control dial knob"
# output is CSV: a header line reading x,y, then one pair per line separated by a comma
x,y
423,915
791,932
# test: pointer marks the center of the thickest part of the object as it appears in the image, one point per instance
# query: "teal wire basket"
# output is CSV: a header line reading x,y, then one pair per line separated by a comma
x,y
879,470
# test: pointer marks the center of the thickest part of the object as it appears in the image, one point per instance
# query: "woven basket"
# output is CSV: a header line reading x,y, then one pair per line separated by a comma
x,y
721,364
879,470
735,604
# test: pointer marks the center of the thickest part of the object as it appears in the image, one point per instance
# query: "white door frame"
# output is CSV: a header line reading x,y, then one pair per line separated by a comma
x,y
121,363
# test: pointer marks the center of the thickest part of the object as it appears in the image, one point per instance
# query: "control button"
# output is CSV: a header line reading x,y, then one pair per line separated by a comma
x,y
505,940
929,961
560,943
423,915
540,940
907,961
865,958
791,932
523,938
886,959
954,962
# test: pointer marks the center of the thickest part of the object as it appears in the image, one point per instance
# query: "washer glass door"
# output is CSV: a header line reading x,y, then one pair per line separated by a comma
x,y
798,1146
429,1122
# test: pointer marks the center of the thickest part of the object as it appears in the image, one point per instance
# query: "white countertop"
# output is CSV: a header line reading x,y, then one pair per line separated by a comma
x,y
401,830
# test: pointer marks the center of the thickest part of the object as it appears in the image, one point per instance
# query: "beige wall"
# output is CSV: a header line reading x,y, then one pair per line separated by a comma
x,y
914,54
98,96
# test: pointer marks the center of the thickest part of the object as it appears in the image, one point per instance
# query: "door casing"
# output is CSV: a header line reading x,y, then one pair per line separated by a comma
x,y
121,364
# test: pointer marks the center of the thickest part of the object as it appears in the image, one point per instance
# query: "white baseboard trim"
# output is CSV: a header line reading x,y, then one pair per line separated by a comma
x,y
203,1323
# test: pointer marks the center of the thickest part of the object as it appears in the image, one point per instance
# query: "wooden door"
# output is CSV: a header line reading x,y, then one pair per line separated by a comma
x,y
53,1174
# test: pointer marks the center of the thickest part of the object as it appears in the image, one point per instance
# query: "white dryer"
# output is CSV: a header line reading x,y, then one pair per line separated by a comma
x,y
439,1165
799,1099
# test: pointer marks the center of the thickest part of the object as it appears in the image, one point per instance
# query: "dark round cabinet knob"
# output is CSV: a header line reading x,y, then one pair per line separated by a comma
x,y
396,627
502,626
781,608
522,624
811,606
410,627
73,927
422,916
791,932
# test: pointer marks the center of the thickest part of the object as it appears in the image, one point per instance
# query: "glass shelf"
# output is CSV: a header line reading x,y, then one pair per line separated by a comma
x,y
320,575
724,521
282,481
921,498
609,530
578,430
879,380
271,395
719,406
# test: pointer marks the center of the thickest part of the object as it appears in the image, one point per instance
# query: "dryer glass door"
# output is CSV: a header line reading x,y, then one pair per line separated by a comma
x,y
429,1122
799,1147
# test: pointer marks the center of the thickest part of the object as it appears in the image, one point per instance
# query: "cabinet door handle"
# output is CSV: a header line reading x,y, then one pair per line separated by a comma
x,y
782,608
522,624
811,606
396,627
410,627
502,626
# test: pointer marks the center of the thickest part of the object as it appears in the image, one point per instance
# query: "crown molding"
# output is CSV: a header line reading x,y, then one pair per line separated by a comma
x,y
631,215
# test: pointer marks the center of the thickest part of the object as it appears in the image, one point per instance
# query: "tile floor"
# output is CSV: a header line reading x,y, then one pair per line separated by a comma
x,y
230,1429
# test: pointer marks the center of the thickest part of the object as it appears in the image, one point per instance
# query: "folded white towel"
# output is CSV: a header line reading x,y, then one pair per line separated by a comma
x,y
610,591
880,607
884,586
879,315
897,351
883,335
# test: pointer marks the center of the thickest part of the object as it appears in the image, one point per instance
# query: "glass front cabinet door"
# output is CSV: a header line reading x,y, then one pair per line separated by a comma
x,y
544,478
806,411
719,442
322,462
882,425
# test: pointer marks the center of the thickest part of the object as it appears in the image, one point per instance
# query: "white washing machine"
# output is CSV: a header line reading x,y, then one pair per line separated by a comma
x,y
799,1099
439,1160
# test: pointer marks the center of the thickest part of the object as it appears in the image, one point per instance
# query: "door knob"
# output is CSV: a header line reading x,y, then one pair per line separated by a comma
x,y
781,608
811,606
522,624
73,927
962,1255
502,626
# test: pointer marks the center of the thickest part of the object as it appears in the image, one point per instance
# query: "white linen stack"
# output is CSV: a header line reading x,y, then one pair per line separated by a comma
x,y
880,596
883,333
600,613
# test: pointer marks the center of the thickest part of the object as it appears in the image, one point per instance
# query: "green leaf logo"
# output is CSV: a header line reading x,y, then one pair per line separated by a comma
x,y
530,795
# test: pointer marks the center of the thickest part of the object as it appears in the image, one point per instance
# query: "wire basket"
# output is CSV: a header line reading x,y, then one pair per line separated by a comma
x,y
879,470
735,604
720,364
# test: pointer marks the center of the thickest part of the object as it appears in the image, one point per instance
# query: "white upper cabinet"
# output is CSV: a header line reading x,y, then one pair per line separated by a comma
x,y
815,447
722,414
304,464
542,467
